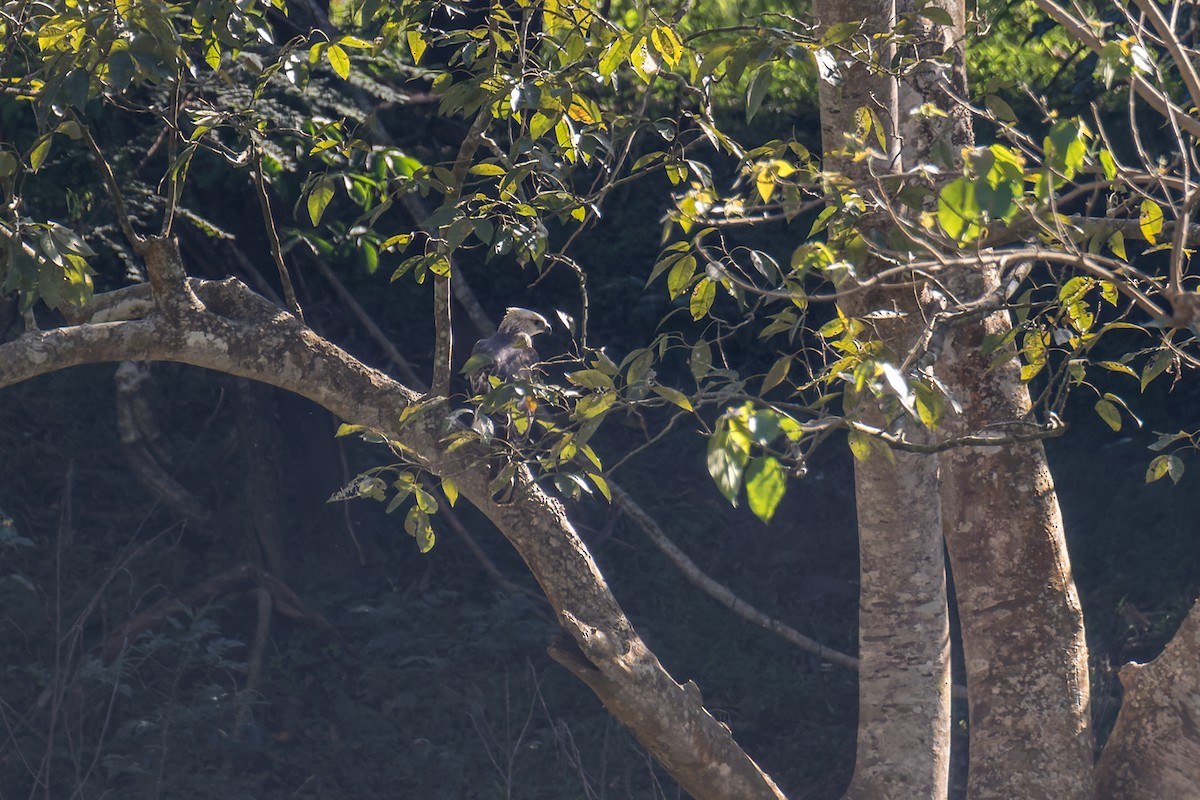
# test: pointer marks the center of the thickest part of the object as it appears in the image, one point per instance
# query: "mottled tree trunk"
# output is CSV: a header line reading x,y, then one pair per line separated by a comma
x,y
1154,749
1022,625
904,674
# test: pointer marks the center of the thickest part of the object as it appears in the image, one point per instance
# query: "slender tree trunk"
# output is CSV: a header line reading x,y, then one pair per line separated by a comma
x,y
904,674
1022,624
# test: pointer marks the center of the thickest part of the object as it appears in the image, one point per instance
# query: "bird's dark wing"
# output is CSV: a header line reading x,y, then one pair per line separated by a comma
x,y
508,356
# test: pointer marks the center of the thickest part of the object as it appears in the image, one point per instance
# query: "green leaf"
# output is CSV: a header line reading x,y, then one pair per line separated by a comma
x,y
396,501
958,211
726,464
1108,292
590,379
668,44
540,123
399,241
862,123
1033,348
765,181
612,57
1108,165
1156,367
1165,440
1150,219
766,483
1000,109
936,15
840,32
41,149
757,90
601,484
1109,413
8,164
777,374
1116,243
417,525
702,298
860,444
672,395
487,170
339,61
1116,366
680,275
450,491
355,42
425,501
1165,465
643,62
1066,147
832,328
700,361
931,406
212,52
319,198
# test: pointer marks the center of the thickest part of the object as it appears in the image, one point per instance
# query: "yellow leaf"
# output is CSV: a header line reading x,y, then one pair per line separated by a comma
x,y
667,43
672,395
339,61
416,45
702,298
765,182
1116,243
1150,218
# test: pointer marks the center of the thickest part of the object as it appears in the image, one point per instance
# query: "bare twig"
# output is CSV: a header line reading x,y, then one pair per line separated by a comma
x,y
718,591
114,190
372,328
264,202
443,345
1182,60
1156,99
173,187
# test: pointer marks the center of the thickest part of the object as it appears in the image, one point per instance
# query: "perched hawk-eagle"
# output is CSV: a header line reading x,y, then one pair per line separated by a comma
x,y
508,353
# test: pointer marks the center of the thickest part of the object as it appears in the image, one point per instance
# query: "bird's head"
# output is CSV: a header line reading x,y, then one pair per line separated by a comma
x,y
522,320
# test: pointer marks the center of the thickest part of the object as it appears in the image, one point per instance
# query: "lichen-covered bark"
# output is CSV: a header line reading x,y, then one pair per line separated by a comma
x,y
241,334
904,638
904,673
1154,749
1022,625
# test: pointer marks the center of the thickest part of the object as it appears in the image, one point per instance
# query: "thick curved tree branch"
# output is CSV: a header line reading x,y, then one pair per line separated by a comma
x,y
242,334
